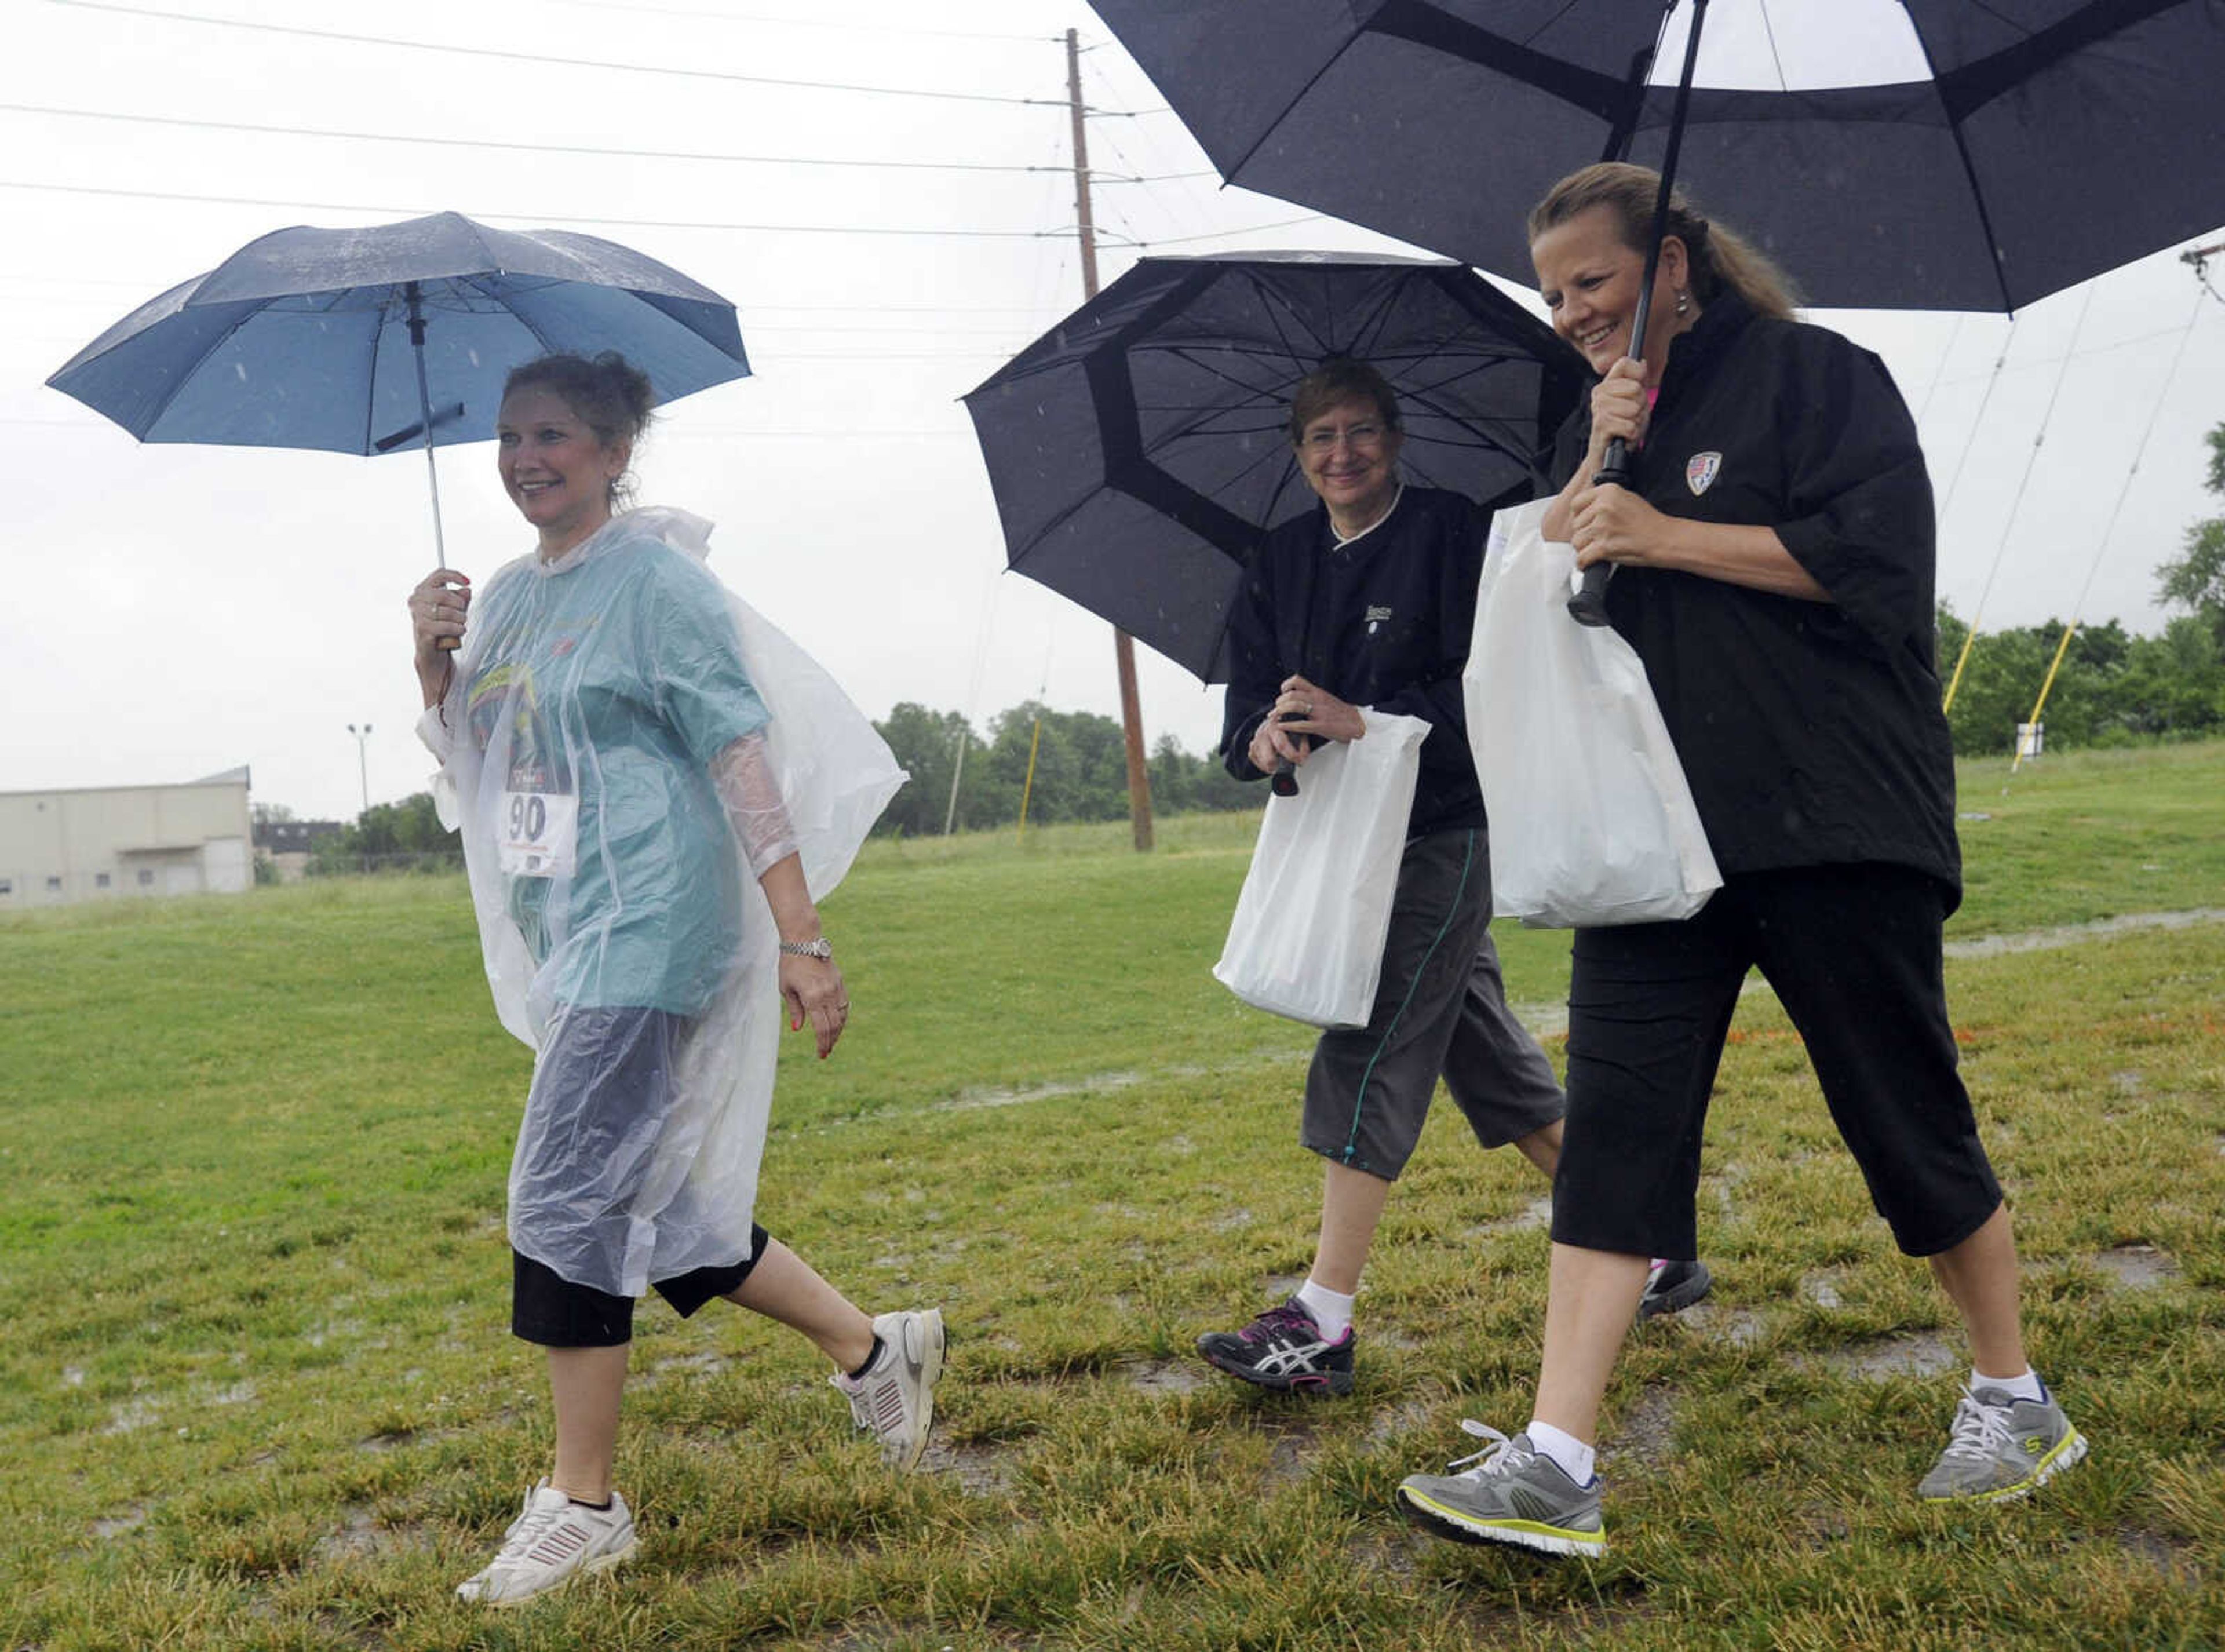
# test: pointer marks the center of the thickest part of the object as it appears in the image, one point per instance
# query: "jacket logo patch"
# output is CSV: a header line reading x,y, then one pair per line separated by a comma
x,y
1700,470
1375,618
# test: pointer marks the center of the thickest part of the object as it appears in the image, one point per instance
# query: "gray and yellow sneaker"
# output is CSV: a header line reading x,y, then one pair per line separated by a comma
x,y
2002,1448
1514,1495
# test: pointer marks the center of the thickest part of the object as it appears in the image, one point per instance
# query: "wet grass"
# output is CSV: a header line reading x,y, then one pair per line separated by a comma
x,y
258,1391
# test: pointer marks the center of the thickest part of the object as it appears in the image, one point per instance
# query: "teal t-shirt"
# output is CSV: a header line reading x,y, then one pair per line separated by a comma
x,y
602,693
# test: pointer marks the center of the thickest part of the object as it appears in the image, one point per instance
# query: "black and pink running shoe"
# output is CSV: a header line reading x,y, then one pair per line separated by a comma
x,y
1284,1350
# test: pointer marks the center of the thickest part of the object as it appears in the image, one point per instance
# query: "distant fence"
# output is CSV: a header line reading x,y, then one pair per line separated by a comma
x,y
332,862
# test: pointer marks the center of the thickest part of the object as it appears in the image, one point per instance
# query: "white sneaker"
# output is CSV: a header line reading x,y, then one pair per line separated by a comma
x,y
553,1540
894,1400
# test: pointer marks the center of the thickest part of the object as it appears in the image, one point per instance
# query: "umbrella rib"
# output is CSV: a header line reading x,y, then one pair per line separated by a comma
x,y
1278,315
1380,319
1422,24
200,362
1964,91
1181,351
1776,58
370,378
1969,176
1549,23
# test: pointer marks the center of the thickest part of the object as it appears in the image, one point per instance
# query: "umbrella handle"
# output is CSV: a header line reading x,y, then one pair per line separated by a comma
x,y
1589,605
1284,781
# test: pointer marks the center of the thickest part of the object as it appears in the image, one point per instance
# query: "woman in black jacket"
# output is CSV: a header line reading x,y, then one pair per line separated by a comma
x,y
1774,557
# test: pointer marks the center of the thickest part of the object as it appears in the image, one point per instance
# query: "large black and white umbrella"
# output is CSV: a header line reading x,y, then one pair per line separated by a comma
x,y
1889,153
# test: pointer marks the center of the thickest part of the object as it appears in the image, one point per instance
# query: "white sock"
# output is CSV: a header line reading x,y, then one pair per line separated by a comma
x,y
1332,1310
1571,1453
2026,1387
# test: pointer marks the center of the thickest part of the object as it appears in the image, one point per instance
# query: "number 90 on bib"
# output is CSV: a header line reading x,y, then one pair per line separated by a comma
x,y
538,834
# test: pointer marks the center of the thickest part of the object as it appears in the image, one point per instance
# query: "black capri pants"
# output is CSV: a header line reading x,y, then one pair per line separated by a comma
x,y
550,1310
1854,955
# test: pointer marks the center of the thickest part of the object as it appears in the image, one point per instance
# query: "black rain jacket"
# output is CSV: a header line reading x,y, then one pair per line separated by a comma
x,y
1811,732
1384,621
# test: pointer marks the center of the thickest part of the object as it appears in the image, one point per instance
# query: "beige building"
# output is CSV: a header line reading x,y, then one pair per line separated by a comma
x,y
110,841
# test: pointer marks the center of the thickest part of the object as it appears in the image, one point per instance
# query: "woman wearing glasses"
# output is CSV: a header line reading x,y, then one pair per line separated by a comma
x,y
1369,600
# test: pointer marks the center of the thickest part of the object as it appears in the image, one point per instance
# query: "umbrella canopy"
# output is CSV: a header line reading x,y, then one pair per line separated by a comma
x,y
1138,450
302,338
1891,153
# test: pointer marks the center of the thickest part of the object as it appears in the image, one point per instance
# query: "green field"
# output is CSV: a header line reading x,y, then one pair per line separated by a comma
x,y
258,1390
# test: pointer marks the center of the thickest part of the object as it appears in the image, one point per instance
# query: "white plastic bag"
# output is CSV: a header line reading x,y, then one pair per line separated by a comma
x,y
1307,940
1591,820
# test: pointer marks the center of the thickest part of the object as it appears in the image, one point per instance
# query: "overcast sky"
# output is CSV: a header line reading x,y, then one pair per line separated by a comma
x,y
177,611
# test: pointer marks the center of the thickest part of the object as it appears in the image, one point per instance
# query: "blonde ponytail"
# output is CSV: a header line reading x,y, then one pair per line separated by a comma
x,y
1719,258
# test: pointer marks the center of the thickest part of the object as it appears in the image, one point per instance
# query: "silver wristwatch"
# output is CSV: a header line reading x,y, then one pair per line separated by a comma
x,y
820,948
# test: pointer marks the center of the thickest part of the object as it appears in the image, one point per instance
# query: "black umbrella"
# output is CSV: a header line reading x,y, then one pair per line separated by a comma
x,y
1138,450
1891,154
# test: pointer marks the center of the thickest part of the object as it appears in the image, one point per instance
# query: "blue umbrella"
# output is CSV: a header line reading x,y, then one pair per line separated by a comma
x,y
367,340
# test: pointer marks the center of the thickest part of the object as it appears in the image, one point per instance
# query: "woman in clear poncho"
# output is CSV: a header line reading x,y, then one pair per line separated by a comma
x,y
653,785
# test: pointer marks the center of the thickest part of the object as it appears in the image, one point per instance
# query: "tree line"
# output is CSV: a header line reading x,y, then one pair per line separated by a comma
x,y
1080,771
2114,688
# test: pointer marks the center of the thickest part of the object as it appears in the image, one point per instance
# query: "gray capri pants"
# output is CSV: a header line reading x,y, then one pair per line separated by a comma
x,y
1440,1009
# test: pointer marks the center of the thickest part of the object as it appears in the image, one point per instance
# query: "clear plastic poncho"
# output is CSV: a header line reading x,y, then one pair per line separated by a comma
x,y
589,741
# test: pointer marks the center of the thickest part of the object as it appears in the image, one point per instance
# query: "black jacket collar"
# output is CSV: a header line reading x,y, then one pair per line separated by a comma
x,y
1726,318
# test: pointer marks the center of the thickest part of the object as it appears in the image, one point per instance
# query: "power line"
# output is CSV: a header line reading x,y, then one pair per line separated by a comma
x,y
543,148
773,357
1215,234
906,330
2075,355
599,65
904,309
529,217
628,6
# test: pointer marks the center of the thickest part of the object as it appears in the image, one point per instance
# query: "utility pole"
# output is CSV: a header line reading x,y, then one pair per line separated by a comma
x,y
363,760
1124,646
950,814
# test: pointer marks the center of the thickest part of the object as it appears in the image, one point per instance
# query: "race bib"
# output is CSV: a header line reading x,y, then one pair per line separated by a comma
x,y
539,833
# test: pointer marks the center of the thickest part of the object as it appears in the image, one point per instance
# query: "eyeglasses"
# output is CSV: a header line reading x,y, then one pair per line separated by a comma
x,y
1361,436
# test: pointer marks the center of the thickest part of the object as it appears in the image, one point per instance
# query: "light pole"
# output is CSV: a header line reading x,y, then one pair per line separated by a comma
x,y
362,761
